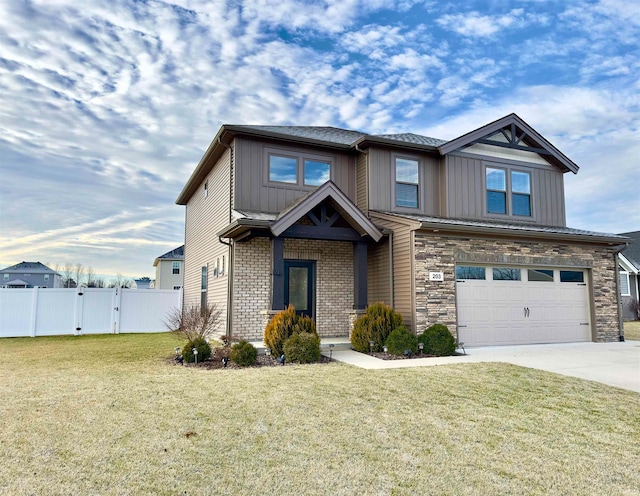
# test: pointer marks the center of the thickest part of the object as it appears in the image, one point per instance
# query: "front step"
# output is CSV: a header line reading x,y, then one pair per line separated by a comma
x,y
339,344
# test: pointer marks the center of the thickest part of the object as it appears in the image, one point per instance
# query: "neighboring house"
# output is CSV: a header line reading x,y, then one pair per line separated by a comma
x,y
29,275
170,269
143,283
469,232
629,270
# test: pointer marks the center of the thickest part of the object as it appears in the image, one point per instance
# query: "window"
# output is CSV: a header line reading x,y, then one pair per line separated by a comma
x,y
205,191
176,268
46,277
177,287
624,283
203,290
571,276
521,193
203,279
283,169
407,183
5,277
508,197
496,191
470,273
316,173
506,274
540,275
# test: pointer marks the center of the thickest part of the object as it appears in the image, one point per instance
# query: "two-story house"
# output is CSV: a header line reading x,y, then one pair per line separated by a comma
x,y
170,269
469,232
30,275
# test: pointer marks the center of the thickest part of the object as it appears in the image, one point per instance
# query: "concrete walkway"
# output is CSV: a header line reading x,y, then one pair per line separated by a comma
x,y
616,364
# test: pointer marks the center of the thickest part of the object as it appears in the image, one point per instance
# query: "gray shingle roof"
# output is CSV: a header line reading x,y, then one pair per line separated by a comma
x,y
29,268
175,254
340,136
320,133
632,252
488,224
416,139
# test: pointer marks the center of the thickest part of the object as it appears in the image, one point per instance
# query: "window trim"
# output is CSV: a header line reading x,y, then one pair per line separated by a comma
x,y
626,274
300,157
174,268
394,183
509,170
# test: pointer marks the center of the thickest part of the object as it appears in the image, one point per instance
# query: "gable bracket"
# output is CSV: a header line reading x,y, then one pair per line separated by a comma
x,y
514,146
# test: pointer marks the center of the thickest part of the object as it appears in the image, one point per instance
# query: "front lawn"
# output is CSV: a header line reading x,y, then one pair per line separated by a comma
x,y
632,330
110,415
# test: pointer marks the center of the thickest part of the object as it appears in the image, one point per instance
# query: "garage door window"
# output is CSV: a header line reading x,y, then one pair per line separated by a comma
x,y
506,274
571,276
540,275
470,273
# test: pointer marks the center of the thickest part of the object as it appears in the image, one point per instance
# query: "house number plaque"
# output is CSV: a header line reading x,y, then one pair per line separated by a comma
x,y
436,276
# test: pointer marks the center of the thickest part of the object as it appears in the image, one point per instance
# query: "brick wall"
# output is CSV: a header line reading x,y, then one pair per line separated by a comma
x,y
436,301
252,284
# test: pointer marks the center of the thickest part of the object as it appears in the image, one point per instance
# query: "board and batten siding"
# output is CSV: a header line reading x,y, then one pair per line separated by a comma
x,y
465,189
402,245
382,180
205,216
252,190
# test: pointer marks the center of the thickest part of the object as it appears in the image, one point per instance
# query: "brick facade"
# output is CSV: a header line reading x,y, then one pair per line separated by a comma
x,y
436,301
252,284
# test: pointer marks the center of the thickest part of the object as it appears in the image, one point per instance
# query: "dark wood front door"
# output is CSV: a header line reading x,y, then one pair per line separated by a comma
x,y
300,286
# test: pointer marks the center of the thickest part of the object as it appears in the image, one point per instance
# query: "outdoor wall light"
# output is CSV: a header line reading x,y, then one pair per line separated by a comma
x,y
421,347
371,343
195,354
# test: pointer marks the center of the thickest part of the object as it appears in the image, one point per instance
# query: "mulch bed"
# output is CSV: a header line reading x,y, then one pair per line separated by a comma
x,y
215,362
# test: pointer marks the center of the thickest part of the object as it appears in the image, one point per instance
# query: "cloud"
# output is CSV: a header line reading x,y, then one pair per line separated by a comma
x,y
475,25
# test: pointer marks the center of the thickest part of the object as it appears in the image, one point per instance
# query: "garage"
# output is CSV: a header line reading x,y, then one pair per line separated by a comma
x,y
505,305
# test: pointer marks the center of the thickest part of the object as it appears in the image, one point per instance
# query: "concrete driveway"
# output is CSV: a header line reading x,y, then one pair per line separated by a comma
x,y
616,364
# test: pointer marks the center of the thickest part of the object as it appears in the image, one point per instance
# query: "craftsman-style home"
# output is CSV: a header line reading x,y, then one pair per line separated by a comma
x,y
469,232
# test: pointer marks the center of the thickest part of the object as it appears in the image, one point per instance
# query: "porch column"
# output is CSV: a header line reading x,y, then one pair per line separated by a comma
x,y
277,292
360,275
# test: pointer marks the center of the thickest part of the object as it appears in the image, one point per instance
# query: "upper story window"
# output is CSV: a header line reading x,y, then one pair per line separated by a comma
x,y
508,194
46,277
5,277
176,268
407,182
283,169
316,173
203,279
298,169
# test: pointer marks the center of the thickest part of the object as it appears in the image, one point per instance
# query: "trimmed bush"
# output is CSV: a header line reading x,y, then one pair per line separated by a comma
x,y
302,347
438,341
401,339
283,325
375,325
204,350
243,353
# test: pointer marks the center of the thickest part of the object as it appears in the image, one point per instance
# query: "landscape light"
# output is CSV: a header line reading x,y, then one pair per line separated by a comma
x,y
331,351
195,354
371,343
225,361
267,351
385,349
177,348
281,359
408,353
421,347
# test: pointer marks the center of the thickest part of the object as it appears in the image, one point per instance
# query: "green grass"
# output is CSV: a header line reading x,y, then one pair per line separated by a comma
x,y
632,330
109,415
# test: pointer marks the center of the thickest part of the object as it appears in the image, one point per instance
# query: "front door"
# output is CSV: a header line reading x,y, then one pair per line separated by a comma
x,y
300,285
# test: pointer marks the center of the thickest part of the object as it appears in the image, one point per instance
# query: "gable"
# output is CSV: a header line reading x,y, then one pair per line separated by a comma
x,y
513,138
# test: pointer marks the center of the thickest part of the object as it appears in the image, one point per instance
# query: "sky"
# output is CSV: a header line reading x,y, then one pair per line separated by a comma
x,y
106,106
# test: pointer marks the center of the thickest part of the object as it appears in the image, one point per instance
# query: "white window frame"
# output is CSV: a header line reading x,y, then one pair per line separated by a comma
x,y
625,274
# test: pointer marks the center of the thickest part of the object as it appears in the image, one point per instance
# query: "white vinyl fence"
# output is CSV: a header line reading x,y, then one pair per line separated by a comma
x,y
48,311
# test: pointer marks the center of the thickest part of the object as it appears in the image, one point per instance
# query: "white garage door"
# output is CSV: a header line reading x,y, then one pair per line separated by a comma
x,y
521,305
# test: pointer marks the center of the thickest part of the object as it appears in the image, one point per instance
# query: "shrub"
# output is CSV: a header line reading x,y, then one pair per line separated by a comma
x,y
204,350
243,353
375,325
438,341
401,339
194,322
302,347
283,325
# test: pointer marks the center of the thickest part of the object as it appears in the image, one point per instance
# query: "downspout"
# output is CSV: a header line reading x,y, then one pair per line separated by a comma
x,y
229,321
617,251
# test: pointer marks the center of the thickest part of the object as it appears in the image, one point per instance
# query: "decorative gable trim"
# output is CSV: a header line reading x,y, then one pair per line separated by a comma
x,y
331,193
514,133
